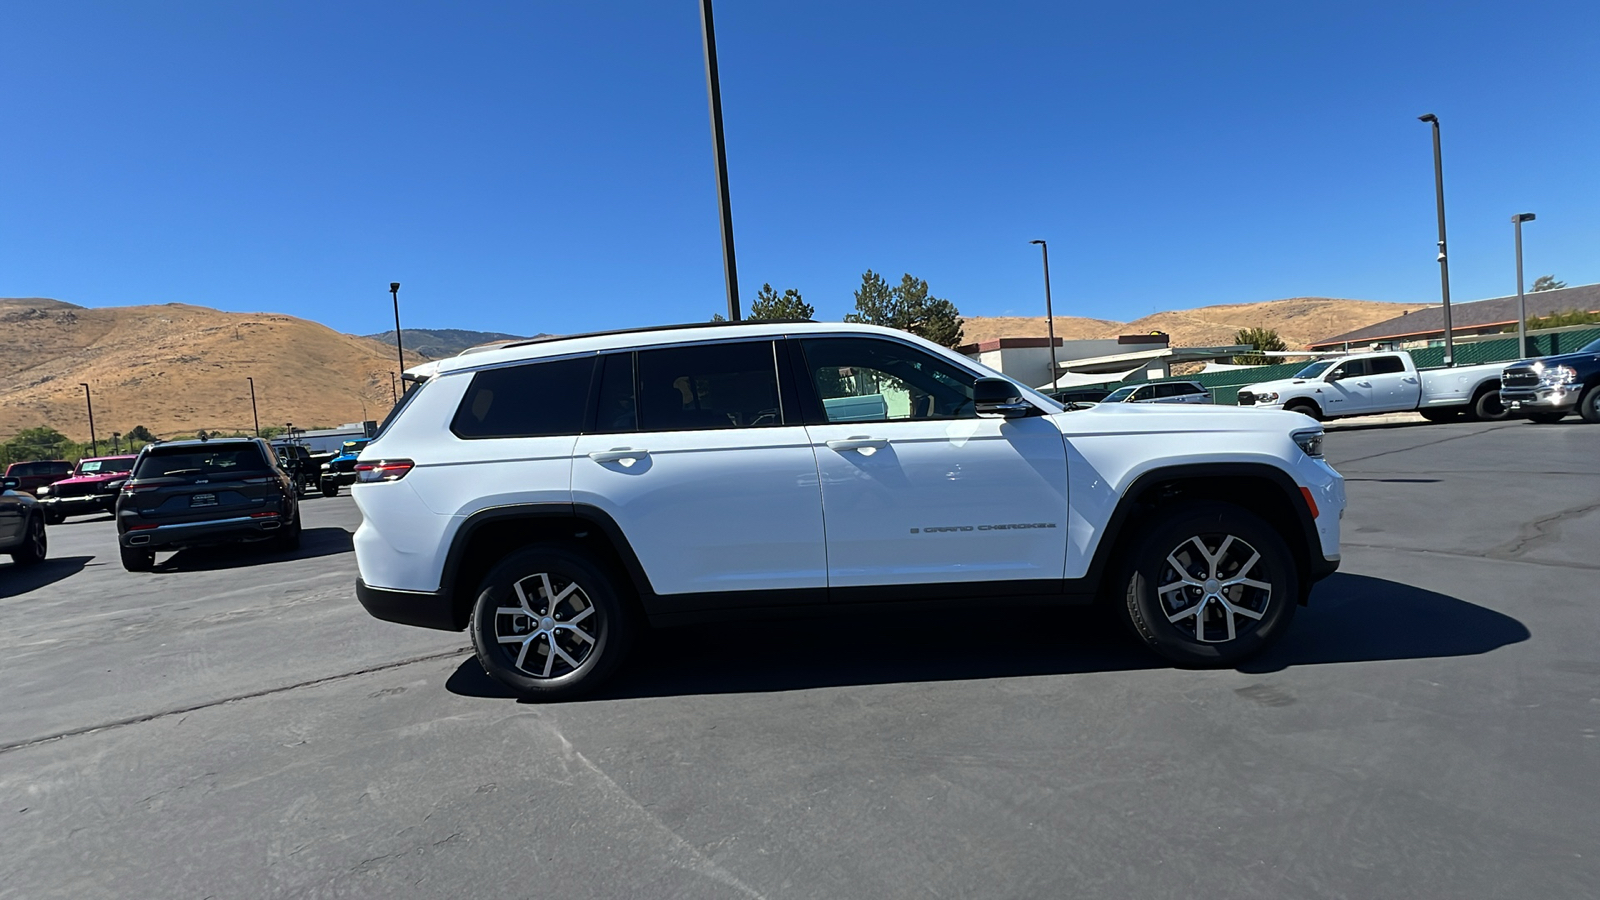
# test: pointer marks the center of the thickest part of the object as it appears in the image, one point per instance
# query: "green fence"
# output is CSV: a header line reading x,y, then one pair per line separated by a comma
x,y
1224,386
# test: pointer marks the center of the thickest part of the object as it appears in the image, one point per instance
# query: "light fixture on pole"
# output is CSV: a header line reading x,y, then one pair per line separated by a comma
x,y
1444,263
1522,302
1049,313
256,417
730,271
394,290
94,445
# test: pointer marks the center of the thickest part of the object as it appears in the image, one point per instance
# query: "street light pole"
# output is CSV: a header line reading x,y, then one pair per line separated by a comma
x,y
730,271
253,414
1444,262
1522,303
94,445
392,389
1049,313
394,290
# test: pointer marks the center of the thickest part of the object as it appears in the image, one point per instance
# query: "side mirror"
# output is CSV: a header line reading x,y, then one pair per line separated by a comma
x,y
11,483
999,398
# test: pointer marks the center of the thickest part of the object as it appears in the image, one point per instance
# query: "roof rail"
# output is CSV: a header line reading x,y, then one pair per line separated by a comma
x,y
681,326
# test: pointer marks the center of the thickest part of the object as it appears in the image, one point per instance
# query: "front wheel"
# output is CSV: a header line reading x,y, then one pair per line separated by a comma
x,y
53,517
330,489
1306,409
1548,418
1211,585
34,544
1589,405
1488,408
549,624
137,559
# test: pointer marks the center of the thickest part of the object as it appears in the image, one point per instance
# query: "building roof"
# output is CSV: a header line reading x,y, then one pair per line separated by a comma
x,y
1479,314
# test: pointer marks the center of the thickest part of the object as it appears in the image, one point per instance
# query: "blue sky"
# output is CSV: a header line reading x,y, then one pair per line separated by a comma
x,y
539,166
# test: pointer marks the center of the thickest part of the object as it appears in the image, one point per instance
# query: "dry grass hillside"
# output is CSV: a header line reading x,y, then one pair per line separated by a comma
x,y
1298,321
176,369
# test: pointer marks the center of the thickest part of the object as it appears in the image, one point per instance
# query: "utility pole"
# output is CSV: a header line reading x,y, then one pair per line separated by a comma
x,y
1444,262
394,290
1049,313
1522,302
94,445
392,389
253,414
730,271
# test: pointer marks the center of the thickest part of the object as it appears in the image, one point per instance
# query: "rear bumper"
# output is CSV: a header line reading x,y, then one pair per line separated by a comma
x,y
197,534
1542,399
423,609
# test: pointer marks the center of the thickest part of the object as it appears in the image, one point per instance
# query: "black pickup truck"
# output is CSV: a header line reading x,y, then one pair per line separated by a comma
x,y
1547,389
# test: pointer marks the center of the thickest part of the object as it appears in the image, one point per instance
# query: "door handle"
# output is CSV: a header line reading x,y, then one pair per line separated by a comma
x,y
1364,383
858,442
619,454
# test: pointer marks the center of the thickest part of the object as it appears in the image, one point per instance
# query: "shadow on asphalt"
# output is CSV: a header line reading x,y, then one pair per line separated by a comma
x,y
1352,618
314,542
17,580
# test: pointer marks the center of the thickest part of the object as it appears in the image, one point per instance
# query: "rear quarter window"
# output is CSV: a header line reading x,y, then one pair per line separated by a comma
x,y
533,400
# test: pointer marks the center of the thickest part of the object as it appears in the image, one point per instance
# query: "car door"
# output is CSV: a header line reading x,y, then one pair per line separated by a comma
x,y
13,512
1393,388
918,490
707,469
1348,391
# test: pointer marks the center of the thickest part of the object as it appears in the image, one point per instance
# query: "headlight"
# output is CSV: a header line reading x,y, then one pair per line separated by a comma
x,y
327,465
1558,375
42,492
1267,397
1310,442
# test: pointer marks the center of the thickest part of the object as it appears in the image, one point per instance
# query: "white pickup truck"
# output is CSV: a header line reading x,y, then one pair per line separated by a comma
x,y
1366,383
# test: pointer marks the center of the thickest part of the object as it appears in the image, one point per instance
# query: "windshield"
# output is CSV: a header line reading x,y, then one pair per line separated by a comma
x,y
226,461
1315,369
104,466
1591,347
1120,394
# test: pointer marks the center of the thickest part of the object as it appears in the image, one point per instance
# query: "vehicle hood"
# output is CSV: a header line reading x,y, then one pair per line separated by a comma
x,y
92,479
1279,386
1169,417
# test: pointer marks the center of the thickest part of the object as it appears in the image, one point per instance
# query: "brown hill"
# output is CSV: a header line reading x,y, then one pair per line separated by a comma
x,y
176,369
1298,321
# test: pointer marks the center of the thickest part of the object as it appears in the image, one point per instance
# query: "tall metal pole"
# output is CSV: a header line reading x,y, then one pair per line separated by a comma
x,y
253,414
94,445
1522,302
392,389
730,270
1049,314
394,289
1444,262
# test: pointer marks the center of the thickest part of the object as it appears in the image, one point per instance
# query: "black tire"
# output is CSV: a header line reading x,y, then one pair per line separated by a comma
x,y
1589,405
1307,408
34,543
330,489
52,517
1151,579
138,559
288,537
1547,418
597,654
1440,415
1486,407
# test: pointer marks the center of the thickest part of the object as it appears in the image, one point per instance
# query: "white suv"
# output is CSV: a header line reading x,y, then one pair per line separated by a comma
x,y
554,496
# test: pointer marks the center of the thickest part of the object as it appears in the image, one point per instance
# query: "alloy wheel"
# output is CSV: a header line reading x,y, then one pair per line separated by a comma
x,y
553,628
1214,588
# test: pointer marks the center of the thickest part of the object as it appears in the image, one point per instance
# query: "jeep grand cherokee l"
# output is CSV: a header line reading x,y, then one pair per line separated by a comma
x,y
553,496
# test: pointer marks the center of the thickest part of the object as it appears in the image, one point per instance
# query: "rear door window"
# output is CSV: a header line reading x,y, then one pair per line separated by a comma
x,y
710,386
1387,365
534,400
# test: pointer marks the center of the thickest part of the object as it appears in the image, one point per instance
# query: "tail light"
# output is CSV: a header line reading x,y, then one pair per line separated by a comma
x,y
129,487
383,470
263,515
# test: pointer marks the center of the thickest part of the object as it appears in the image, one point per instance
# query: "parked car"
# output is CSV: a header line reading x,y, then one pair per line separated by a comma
x,y
1160,392
553,497
1547,389
1366,383
195,493
36,474
341,470
296,460
1078,395
93,487
22,531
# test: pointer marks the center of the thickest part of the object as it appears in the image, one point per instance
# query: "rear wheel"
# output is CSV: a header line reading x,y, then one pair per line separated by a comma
x,y
288,537
1486,407
1547,418
34,544
1211,585
1307,408
1589,405
330,489
549,624
138,559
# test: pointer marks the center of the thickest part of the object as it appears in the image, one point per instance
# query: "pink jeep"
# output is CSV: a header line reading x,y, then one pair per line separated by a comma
x,y
93,487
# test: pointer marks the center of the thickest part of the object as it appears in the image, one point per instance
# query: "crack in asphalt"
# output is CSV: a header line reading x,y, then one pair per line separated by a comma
x,y
1454,437
267,692
1535,530
1590,567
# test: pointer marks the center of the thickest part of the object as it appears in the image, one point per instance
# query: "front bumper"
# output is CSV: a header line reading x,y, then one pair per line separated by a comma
x,y
1551,398
72,506
424,609
198,534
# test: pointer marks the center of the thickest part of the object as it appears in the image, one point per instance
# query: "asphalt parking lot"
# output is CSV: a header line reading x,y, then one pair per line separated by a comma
x,y
234,725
